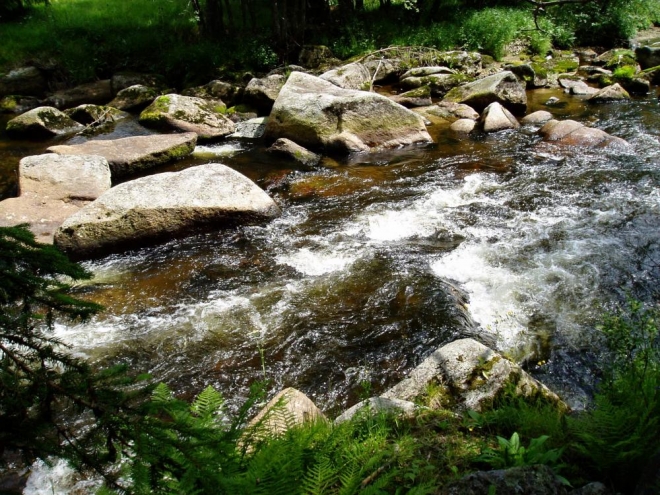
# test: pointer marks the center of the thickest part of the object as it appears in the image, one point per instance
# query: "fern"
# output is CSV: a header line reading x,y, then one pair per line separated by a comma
x,y
319,478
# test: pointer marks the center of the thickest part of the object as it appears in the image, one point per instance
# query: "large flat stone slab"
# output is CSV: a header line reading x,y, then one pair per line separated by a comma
x,y
52,188
162,206
129,155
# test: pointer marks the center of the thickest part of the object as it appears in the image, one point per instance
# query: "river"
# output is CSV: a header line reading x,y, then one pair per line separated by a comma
x,y
380,258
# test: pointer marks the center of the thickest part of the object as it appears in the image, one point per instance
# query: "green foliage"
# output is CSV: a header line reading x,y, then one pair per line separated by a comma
x,y
492,29
511,453
621,431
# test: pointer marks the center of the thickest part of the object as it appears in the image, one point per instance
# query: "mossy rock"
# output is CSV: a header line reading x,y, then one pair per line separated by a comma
x,y
621,58
42,122
422,92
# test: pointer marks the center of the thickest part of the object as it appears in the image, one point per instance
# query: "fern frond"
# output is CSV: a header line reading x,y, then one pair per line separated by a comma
x,y
319,478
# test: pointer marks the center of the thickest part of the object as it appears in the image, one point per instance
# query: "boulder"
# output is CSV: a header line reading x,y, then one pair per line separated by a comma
x,y
497,118
133,154
581,88
427,71
350,76
635,85
439,84
475,375
18,104
528,480
287,409
586,55
592,72
468,63
54,176
648,56
52,188
572,133
90,114
217,90
98,92
527,73
251,128
287,148
188,114
610,94
616,58
262,93
162,206
420,97
312,56
42,122
463,126
384,70
123,80
134,97
504,88
377,405
597,488
319,115
24,81
538,117
453,111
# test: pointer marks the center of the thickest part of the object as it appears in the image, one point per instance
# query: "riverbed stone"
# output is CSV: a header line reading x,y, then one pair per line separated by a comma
x,y
427,71
497,118
538,479
440,84
581,88
231,94
18,104
319,115
83,177
261,93
475,374
52,188
135,97
376,405
98,92
24,81
349,76
158,207
286,148
452,111
188,114
504,88
635,85
538,117
648,56
610,94
133,154
287,409
123,80
384,69
463,126
526,73
572,133
42,122
90,114
420,97
250,129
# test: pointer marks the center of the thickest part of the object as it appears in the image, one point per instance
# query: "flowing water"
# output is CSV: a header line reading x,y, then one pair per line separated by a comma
x,y
379,259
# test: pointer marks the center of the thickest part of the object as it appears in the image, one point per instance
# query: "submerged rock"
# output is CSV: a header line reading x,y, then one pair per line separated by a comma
x,y
320,115
188,114
475,375
504,88
52,188
159,207
42,122
132,154
572,133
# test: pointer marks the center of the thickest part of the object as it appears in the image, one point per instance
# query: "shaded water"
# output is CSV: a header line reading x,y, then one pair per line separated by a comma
x,y
379,259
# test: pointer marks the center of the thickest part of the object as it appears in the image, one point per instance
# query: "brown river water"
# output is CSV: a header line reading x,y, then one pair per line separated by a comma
x,y
380,258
